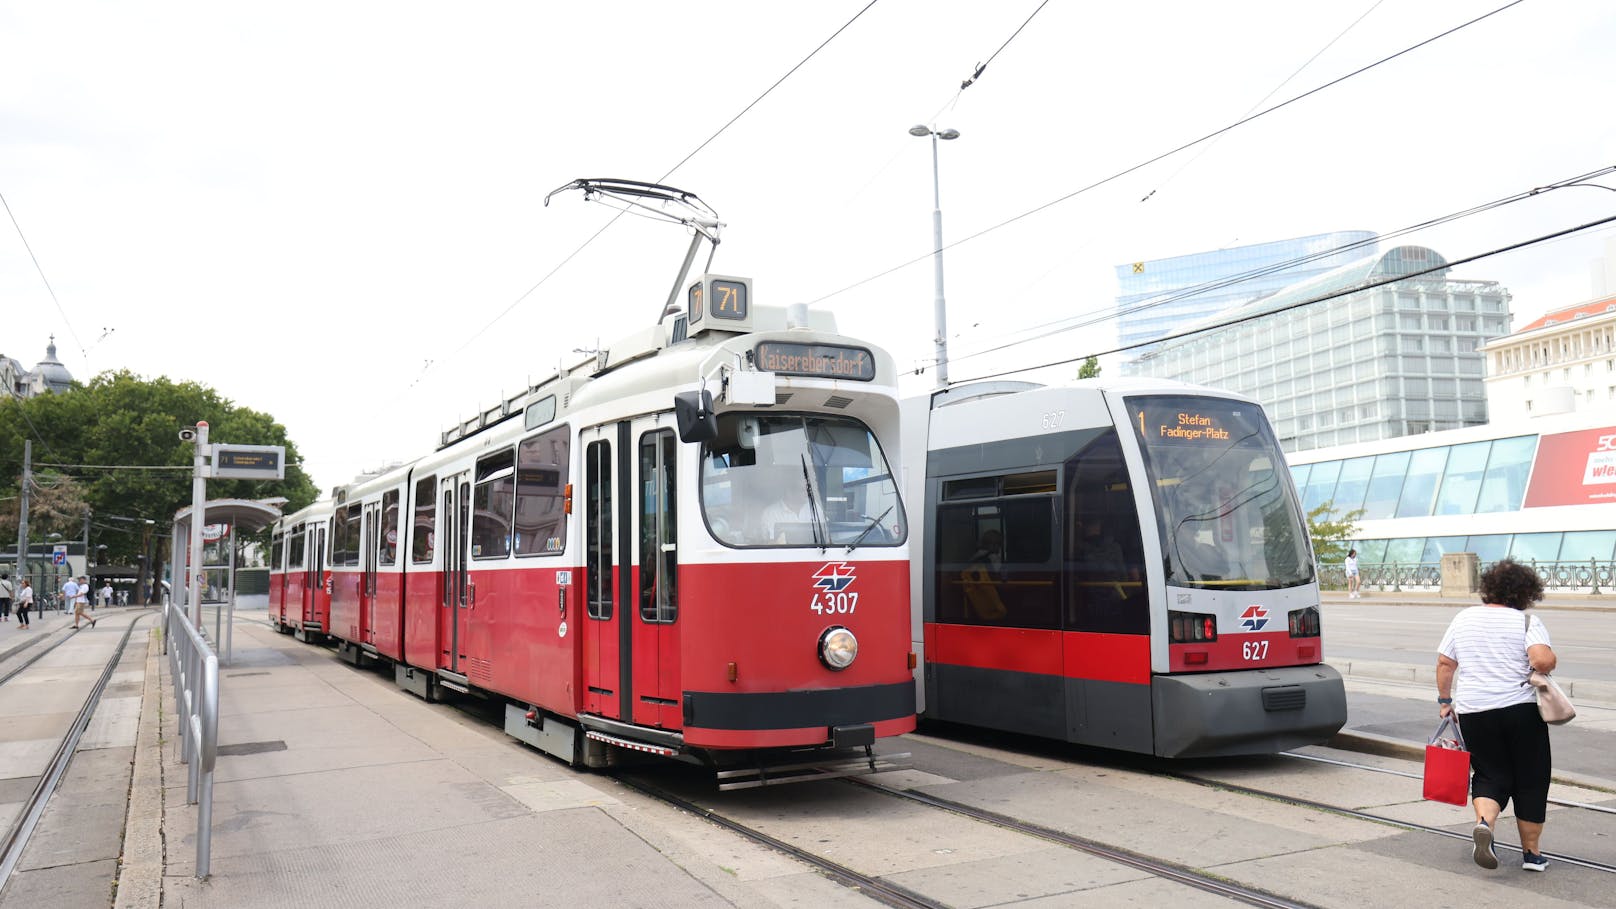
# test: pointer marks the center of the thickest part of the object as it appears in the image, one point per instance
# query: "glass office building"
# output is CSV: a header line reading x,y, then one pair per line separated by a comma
x,y
1399,358
1161,295
1539,490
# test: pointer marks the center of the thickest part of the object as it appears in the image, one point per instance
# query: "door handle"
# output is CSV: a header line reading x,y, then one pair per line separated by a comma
x,y
471,594
561,601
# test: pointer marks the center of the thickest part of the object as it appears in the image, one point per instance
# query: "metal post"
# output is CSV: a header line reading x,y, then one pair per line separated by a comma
x,y
940,308
199,497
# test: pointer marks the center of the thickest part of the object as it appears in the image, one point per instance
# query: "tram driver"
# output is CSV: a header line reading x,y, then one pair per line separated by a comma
x,y
789,518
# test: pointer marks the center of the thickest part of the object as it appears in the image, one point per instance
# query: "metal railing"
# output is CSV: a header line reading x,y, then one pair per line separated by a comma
x,y
1592,576
195,669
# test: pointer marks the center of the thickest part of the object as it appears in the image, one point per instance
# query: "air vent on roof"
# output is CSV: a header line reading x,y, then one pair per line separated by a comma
x,y
781,398
838,402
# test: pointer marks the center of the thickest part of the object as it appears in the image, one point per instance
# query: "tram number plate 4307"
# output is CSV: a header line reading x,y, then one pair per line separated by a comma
x,y
835,603
1254,650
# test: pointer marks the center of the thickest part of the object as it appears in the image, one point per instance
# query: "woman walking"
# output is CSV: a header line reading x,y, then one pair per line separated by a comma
x,y
1490,650
1350,566
25,602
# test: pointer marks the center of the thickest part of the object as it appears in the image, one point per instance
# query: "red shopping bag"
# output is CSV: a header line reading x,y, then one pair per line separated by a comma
x,y
1447,766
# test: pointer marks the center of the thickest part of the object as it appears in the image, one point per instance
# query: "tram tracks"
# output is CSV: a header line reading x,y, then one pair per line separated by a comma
x,y
17,835
892,894
1343,811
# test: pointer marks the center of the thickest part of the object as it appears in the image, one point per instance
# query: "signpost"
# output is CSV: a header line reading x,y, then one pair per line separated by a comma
x,y
59,555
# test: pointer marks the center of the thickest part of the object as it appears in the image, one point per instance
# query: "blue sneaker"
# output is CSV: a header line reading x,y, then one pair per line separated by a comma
x,y
1484,854
1534,861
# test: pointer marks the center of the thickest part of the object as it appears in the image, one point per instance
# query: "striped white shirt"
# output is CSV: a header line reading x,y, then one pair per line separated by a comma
x,y
1489,644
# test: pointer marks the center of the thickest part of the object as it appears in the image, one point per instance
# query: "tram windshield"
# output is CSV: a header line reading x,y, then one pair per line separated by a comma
x,y
798,480
1226,514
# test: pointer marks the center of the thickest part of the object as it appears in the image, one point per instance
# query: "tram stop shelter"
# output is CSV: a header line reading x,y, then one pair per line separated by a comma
x,y
228,559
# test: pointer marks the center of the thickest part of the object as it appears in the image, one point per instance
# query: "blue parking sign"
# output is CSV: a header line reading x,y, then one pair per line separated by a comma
x,y
59,555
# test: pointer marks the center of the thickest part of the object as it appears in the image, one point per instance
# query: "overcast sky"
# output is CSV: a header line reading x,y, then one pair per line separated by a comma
x,y
332,212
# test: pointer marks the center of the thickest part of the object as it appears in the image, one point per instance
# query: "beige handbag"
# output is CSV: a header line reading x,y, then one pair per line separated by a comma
x,y
1552,703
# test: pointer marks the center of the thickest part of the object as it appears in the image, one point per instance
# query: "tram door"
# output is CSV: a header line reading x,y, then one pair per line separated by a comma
x,y
459,594
605,512
655,644
314,593
367,584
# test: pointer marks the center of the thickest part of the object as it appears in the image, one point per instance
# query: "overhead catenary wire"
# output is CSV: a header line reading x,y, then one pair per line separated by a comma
x,y
1358,288
431,364
41,270
1167,154
1096,316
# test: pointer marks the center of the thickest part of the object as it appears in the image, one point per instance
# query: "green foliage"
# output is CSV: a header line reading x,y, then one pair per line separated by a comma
x,y
1329,534
96,444
1090,368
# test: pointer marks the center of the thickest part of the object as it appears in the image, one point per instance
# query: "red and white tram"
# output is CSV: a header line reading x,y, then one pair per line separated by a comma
x,y
299,601
692,546
1114,563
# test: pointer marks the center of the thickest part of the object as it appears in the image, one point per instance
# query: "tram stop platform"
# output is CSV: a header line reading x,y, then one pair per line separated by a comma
x,y
335,787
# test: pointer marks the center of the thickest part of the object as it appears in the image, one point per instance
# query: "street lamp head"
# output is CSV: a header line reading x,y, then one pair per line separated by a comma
x,y
949,134
920,130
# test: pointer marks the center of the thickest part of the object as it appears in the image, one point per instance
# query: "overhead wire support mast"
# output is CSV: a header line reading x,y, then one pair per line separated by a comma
x,y
630,196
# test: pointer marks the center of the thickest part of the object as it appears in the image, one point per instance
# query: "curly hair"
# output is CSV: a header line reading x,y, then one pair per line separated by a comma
x,y
1509,583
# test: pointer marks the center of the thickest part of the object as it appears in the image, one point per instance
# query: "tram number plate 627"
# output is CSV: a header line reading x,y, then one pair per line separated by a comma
x,y
835,603
1254,650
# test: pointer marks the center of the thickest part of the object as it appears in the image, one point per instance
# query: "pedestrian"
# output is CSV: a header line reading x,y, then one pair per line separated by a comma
x,y
105,594
1489,651
70,592
81,603
5,597
25,601
1351,566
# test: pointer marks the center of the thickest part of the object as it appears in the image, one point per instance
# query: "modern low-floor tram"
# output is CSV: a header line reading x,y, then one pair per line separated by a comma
x,y
1114,563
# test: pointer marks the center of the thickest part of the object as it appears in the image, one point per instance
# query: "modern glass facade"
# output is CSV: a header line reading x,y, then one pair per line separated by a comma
x,y
1161,295
1399,359
1544,496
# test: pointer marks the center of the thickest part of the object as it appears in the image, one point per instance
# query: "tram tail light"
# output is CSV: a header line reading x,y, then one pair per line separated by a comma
x,y
1191,627
1305,622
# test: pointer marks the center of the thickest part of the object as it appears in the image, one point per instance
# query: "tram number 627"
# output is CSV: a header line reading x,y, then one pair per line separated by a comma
x,y
834,603
1254,650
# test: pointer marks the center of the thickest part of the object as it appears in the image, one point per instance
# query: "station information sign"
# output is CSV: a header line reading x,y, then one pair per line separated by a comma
x,y
248,462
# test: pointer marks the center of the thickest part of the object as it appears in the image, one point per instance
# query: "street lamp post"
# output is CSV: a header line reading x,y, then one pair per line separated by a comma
x,y
941,309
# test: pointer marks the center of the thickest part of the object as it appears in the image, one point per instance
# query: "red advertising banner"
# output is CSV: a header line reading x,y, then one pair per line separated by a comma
x,y
1574,468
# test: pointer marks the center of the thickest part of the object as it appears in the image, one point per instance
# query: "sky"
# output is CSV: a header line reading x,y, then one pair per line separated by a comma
x,y
334,212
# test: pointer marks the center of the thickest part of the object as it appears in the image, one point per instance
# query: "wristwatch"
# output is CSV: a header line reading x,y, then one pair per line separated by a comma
x,y
1444,700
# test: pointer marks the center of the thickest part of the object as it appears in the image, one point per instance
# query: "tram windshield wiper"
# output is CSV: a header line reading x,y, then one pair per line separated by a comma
x,y
821,536
866,531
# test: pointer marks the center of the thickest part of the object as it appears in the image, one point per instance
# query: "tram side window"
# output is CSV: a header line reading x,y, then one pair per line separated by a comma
x,y
294,551
996,563
277,553
387,542
541,480
424,528
598,528
345,536
492,507
1105,563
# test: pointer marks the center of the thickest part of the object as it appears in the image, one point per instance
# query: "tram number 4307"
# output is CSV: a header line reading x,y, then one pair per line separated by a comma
x,y
1254,650
835,603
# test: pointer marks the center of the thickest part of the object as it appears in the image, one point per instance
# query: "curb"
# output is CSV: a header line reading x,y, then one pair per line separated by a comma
x,y
1591,691
140,872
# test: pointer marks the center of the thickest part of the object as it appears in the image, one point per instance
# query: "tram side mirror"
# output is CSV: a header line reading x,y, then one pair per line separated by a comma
x,y
693,410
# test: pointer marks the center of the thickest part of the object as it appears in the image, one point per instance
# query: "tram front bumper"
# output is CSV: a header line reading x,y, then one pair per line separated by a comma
x,y
1251,711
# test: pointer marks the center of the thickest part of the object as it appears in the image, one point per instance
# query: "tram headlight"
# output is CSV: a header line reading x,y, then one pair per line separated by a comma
x,y
837,648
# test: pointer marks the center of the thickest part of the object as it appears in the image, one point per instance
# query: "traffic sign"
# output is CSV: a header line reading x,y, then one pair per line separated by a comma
x,y
59,554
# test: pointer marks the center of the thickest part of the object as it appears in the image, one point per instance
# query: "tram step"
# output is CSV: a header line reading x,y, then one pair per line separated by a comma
x,y
753,777
631,744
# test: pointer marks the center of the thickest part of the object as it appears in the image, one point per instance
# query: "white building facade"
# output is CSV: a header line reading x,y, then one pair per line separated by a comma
x,y
1562,363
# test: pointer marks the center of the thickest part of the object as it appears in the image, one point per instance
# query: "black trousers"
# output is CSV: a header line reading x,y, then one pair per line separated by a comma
x,y
1510,758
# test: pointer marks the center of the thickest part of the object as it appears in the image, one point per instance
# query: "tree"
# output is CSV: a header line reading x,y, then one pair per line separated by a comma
x,y
1090,369
117,440
1330,535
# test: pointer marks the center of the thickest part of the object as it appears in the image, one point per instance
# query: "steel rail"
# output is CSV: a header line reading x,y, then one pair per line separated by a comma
x,y
1376,818
1155,867
873,887
1566,803
22,829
